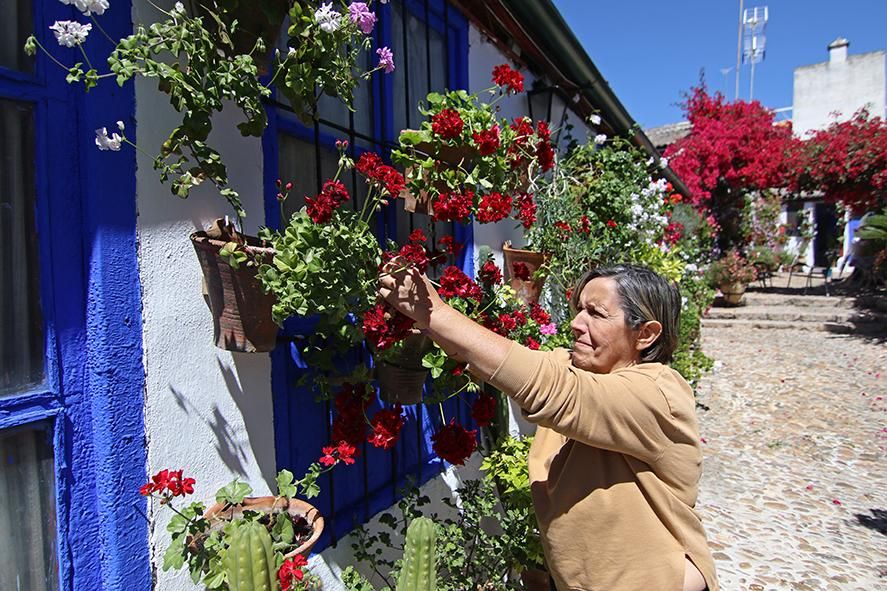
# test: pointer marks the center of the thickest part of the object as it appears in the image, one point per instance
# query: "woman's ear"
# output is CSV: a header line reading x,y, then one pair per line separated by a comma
x,y
647,334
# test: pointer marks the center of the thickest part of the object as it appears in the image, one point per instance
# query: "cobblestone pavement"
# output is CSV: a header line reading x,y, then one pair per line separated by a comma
x,y
794,489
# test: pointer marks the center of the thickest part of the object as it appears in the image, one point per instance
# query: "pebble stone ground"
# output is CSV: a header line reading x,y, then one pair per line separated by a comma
x,y
794,487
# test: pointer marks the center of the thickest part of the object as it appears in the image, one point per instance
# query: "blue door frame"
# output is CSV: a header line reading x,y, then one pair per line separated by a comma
x,y
93,393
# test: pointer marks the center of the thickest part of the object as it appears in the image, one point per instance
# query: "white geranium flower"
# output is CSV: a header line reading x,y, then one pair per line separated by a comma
x,y
691,268
106,142
179,8
663,162
70,33
120,125
600,138
328,19
595,119
88,7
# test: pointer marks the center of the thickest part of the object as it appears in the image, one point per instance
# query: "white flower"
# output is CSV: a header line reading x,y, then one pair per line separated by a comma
x,y
89,7
291,52
650,161
691,268
120,125
70,33
104,142
595,119
327,18
663,162
179,8
600,138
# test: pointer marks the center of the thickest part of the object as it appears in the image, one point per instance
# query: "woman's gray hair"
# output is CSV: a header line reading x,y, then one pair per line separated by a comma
x,y
645,296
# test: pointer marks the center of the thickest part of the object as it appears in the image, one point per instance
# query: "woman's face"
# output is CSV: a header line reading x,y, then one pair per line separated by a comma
x,y
603,341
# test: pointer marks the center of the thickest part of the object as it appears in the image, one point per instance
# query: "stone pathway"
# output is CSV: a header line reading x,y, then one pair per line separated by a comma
x,y
794,490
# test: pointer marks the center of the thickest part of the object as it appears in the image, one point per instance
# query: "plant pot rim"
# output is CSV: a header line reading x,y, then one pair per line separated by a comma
x,y
252,243
507,246
294,507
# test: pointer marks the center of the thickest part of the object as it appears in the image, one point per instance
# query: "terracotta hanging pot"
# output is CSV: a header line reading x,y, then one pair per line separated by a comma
x,y
527,290
241,310
733,293
445,156
402,380
307,520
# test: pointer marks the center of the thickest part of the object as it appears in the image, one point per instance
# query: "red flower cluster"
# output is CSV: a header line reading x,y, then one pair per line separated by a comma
x,y
585,225
507,78
413,254
523,131
490,274
350,422
320,208
487,141
447,124
453,206
532,344
483,411
493,207
291,573
386,425
380,174
520,271
544,149
563,227
169,483
418,236
383,326
450,246
539,314
611,224
673,232
454,443
343,452
455,283
526,207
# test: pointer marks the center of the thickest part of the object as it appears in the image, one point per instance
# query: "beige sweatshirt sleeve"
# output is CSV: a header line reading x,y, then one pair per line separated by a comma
x,y
623,411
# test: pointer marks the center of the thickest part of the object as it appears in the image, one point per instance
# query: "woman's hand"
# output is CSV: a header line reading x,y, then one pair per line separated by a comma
x,y
409,292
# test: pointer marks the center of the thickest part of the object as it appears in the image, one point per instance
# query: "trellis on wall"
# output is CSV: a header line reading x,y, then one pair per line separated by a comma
x,y
430,43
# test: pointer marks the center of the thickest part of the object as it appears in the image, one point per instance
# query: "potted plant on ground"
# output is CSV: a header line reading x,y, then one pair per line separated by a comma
x,y
272,535
212,55
731,274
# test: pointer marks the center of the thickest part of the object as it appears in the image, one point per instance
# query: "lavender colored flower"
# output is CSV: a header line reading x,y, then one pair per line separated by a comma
x,y
361,15
386,59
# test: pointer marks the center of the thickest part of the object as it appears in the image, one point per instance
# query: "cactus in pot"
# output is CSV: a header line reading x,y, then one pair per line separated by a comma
x,y
249,561
418,572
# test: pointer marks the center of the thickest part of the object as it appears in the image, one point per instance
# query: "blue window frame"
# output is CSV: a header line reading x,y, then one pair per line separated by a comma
x,y
353,494
89,395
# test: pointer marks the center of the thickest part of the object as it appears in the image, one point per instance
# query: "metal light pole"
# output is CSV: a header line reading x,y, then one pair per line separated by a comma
x,y
738,50
754,21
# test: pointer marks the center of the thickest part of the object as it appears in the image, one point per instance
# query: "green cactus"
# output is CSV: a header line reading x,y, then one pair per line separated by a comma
x,y
249,561
419,572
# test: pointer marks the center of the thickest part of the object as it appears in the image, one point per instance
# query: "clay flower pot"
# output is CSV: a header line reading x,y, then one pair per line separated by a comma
x,y
241,310
401,380
298,509
733,292
527,290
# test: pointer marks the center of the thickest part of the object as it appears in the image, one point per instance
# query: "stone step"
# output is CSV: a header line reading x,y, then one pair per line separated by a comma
x,y
878,328
753,298
781,313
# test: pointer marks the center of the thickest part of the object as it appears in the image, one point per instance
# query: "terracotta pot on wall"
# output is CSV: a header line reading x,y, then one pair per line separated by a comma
x,y
295,507
447,155
402,380
733,293
240,308
527,291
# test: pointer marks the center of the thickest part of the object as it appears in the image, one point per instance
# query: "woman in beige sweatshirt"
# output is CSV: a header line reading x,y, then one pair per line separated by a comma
x,y
616,459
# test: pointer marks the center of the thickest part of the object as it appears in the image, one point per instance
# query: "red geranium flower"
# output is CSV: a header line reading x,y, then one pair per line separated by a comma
x,y
453,206
564,227
290,572
386,425
455,283
532,344
380,174
544,149
383,326
454,443
585,228
539,314
447,124
413,254
526,209
611,224
343,452
168,482
320,208
483,411
520,271
487,140
490,274
507,322
418,236
349,426
508,78
493,207
368,163
450,246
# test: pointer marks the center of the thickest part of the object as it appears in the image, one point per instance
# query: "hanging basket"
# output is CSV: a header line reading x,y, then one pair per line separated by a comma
x,y
299,510
527,290
241,310
402,380
446,156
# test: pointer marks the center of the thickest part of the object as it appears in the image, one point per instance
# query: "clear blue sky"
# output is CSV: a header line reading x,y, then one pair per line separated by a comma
x,y
651,51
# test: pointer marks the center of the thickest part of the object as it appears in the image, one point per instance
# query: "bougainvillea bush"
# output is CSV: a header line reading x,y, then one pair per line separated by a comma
x,y
847,162
733,148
